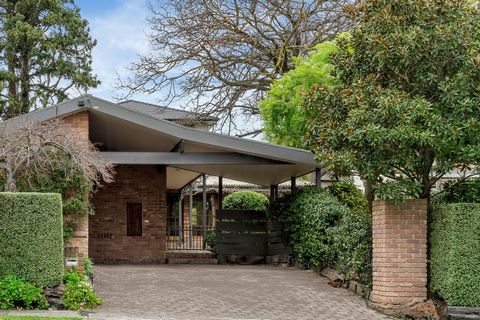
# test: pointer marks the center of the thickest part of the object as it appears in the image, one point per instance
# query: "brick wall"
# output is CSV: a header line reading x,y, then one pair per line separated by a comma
x,y
108,240
77,247
399,252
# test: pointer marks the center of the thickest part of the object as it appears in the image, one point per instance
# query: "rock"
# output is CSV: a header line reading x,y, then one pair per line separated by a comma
x,y
256,259
336,283
54,297
353,286
332,275
232,258
419,311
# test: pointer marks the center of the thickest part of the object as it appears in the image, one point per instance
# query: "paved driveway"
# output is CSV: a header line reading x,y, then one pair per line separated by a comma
x,y
198,292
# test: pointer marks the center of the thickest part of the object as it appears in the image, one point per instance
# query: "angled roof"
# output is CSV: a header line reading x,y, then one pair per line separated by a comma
x,y
291,161
161,112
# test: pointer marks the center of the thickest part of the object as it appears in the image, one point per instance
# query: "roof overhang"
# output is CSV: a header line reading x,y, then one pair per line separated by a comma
x,y
142,139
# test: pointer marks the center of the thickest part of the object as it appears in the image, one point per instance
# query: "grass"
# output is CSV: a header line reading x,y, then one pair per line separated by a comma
x,y
35,318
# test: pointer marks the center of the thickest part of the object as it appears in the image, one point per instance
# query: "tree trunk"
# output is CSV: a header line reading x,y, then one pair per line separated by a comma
x,y
369,193
25,84
12,86
10,184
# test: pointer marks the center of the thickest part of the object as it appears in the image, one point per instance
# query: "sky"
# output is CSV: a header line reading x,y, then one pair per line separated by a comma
x,y
120,28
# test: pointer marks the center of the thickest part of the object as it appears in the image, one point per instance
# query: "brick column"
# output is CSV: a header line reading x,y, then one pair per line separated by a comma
x,y
78,245
399,252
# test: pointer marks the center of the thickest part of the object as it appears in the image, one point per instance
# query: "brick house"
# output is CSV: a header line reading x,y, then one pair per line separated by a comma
x,y
158,152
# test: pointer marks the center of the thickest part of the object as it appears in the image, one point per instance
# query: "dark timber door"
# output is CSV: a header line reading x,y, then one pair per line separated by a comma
x,y
134,219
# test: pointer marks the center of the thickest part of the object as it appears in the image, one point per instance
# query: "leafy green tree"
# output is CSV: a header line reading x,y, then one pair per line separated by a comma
x,y
281,110
406,107
45,51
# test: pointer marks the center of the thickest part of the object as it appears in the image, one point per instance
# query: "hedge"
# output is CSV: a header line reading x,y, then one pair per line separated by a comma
x,y
455,253
31,237
246,200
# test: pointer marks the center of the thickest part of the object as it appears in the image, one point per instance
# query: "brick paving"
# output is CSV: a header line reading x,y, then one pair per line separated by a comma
x,y
199,292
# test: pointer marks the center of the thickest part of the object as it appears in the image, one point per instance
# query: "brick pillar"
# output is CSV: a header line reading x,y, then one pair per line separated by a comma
x,y
77,247
399,252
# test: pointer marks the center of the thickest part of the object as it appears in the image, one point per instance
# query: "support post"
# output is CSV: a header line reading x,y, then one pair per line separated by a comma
x,y
220,193
293,185
318,178
204,205
190,224
273,192
180,218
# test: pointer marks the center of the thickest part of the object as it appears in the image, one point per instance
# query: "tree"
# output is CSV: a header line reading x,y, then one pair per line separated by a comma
x,y
45,51
220,56
282,112
34,149
406,108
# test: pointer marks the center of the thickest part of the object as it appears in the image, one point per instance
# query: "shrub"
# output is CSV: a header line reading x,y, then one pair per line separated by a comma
x,y
455,254
347,193
78,293
246,200
31,237
352,243
88,267
467,191
306,217
16,293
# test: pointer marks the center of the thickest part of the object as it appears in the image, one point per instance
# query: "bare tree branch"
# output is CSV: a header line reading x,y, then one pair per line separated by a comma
x,y
28,147
219,57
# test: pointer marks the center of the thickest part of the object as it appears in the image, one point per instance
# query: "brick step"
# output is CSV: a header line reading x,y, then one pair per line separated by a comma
x,y
192,261
190,255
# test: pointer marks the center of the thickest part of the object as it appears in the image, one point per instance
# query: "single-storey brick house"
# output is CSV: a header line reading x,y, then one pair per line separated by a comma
x,y
157,152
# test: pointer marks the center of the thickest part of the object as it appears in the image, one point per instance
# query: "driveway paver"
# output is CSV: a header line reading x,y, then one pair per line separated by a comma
x,y
199,292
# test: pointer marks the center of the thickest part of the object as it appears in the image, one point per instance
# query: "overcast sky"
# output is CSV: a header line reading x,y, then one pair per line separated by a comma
x,y
119,26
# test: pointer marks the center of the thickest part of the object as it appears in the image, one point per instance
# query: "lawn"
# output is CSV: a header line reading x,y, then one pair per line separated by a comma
x,y
35,318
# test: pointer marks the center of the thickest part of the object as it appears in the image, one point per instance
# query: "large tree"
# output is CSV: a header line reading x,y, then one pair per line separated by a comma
x,y
406,108
45,51
219,57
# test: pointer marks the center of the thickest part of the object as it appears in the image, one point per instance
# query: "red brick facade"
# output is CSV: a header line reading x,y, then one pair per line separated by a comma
x,y
399,252
108,240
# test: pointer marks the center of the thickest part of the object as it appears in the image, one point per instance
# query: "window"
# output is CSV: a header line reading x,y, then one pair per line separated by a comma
x,y
134,219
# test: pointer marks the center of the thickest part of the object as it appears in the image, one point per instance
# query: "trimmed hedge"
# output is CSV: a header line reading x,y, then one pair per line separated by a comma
x,y
31,237
246,200
455,254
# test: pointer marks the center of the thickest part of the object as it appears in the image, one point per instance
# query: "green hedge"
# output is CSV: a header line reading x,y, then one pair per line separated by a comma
x,y
31,237
328,227
246,200
455,254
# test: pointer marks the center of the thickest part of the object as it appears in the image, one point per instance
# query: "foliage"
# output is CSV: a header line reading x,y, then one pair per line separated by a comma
x,y
324,232
306,218
351,240
88,267
31,237
467,191
454,254
210,238
36,318
348,194
29,148
16,293
281,111
405,109
246,200
78,293
45,51
230,51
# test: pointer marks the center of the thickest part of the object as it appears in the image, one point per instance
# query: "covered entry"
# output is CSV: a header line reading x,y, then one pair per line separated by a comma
x,y
156,161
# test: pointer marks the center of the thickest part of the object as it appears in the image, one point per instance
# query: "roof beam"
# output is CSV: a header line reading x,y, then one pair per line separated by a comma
x,y
174,158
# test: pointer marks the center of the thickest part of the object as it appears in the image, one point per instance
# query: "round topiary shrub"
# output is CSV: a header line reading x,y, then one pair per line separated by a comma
x,y
246,200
